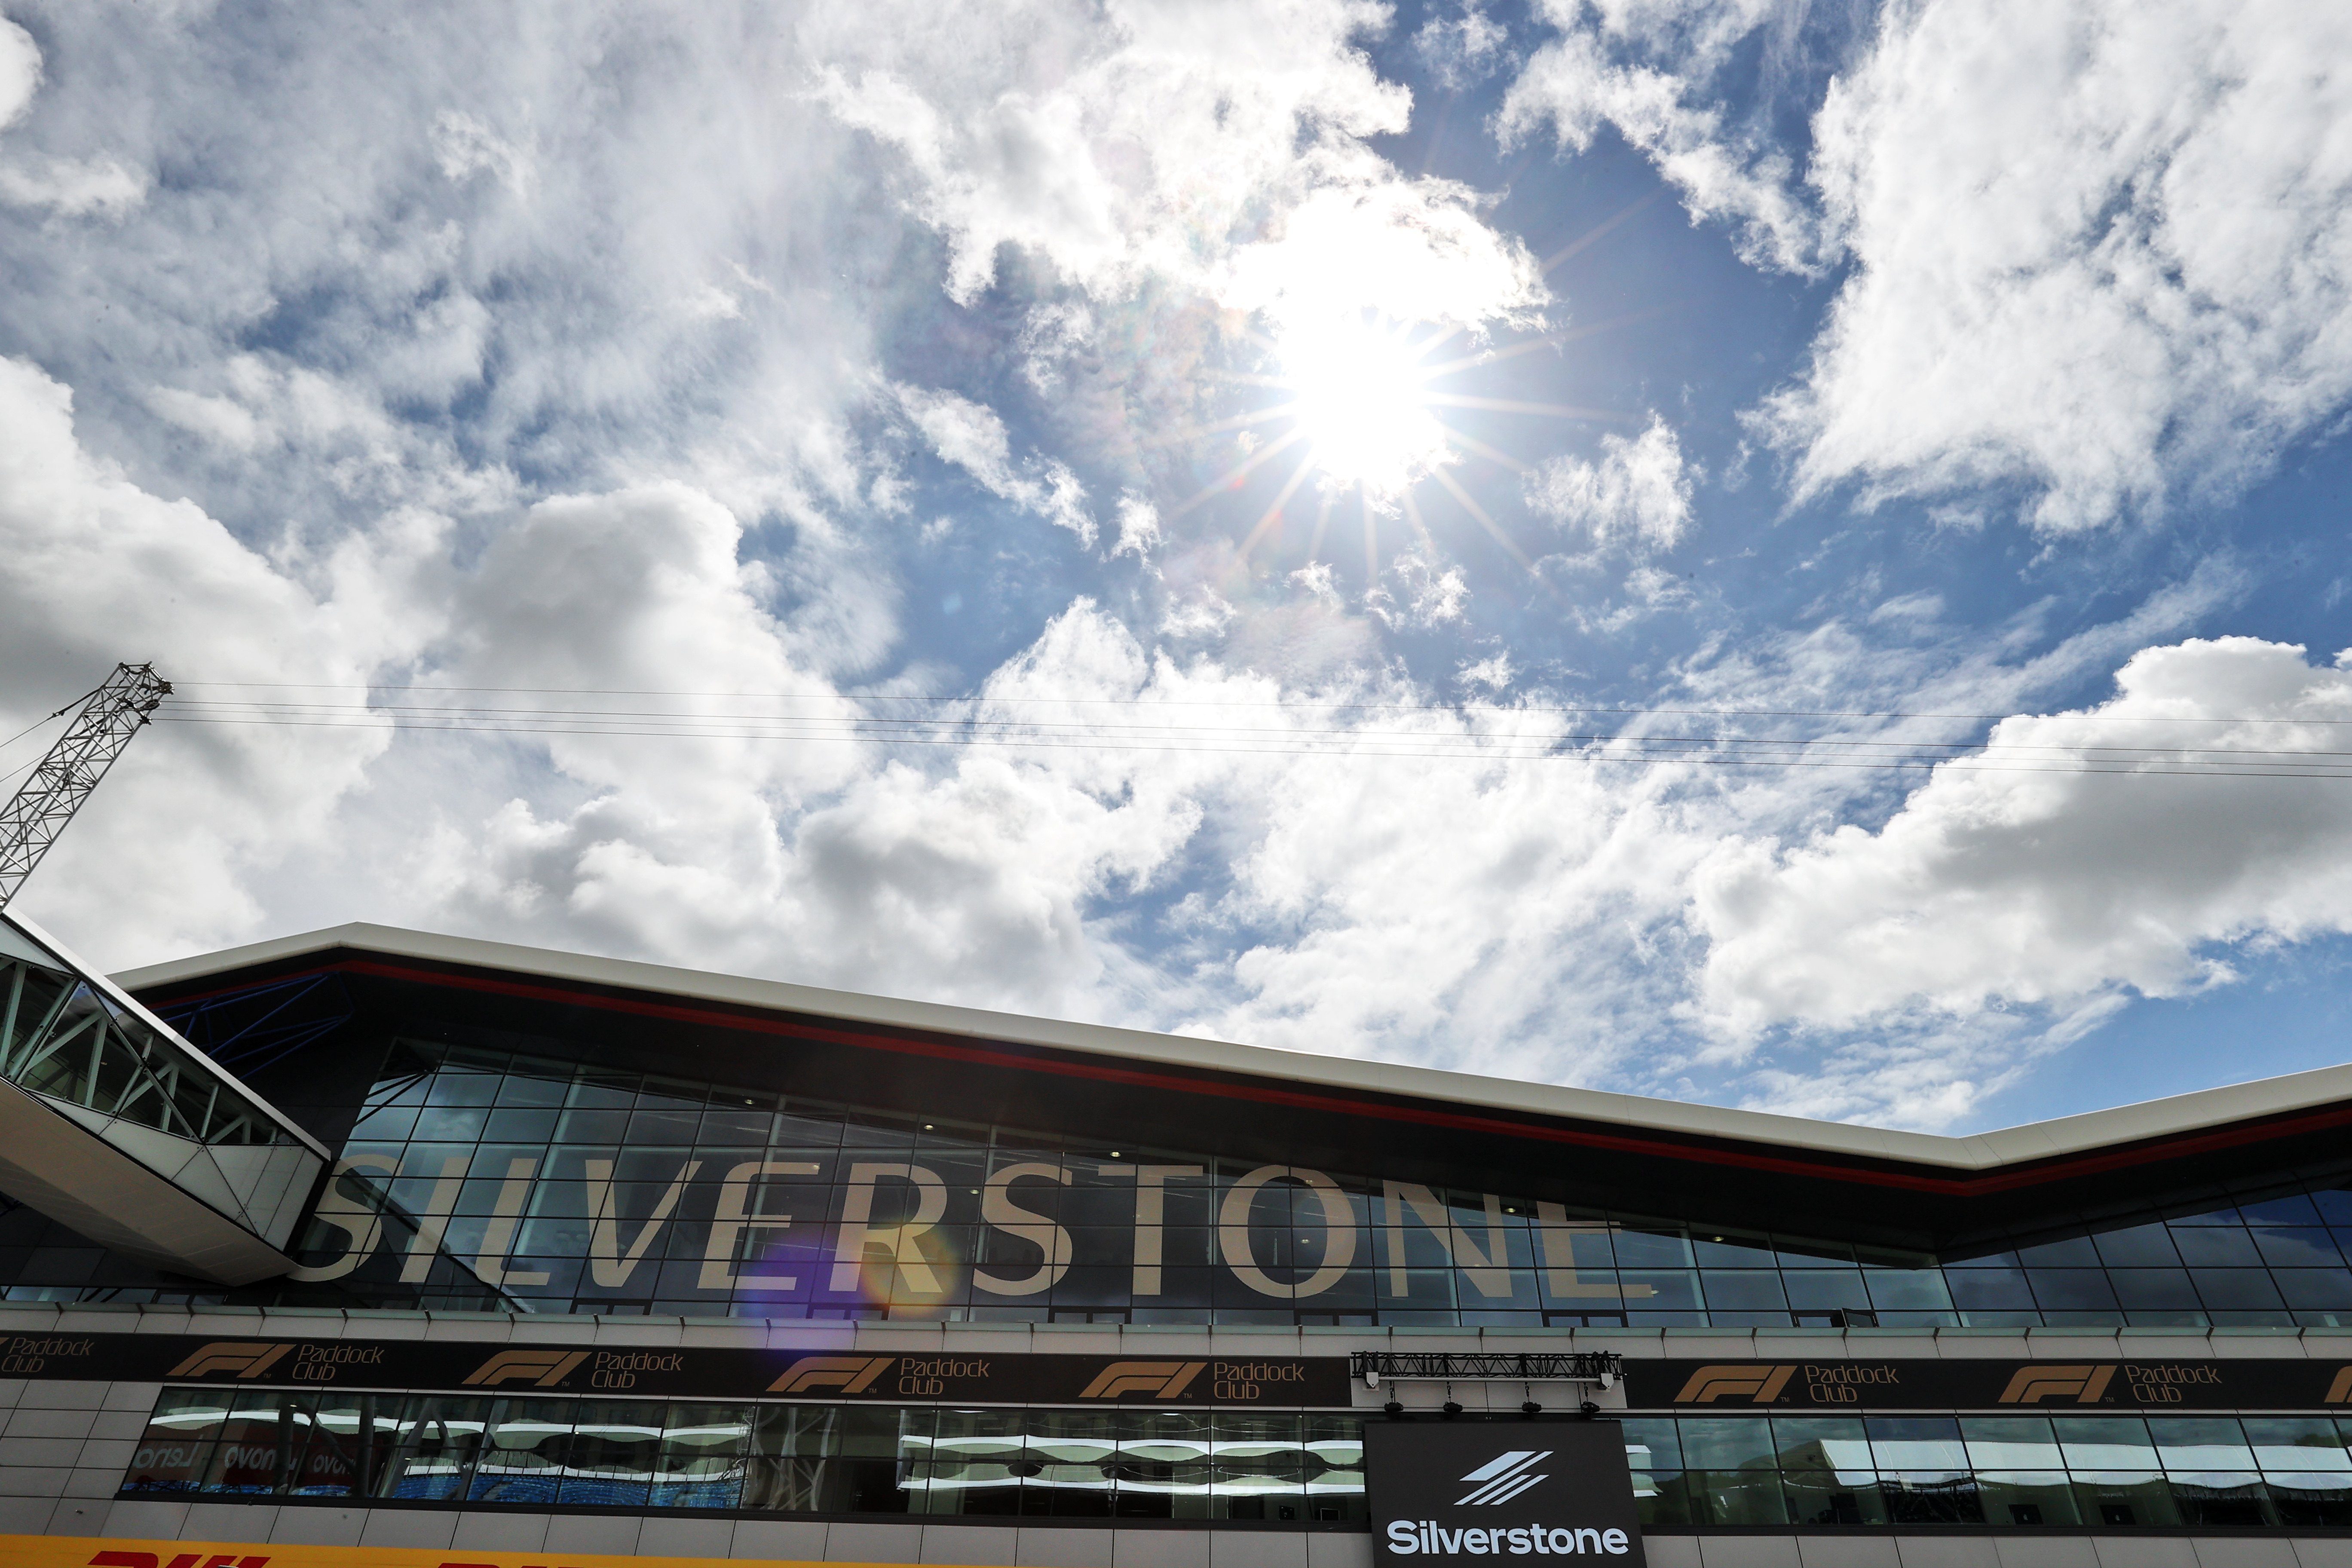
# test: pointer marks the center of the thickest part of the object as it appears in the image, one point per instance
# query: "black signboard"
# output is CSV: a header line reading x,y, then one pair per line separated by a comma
x,y
695,1372
1456,1492
1958,1384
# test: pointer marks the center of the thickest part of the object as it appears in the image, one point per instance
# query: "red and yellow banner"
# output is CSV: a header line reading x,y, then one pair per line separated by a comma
x,y
94,1551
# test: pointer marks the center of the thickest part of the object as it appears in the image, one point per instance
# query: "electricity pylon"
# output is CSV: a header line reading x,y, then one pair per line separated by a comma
x,y
109,716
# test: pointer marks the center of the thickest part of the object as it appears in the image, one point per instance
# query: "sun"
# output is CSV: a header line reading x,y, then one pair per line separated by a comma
x,y
1360,402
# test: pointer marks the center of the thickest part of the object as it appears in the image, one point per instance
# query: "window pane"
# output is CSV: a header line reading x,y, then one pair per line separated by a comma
x,y
1834,1497
1725,1443
2124,1499
1908,1290
1734,1496
2322,1498
2026,1498
521,1462
258,1436
2309,1247
1921,1444
2235,1287
2011,1443
1743,1290
702,1454
2217,1246
611,1458
2296,1443
2140,1247
2189,1443
1930,1497
2105,1443
172,1451
436,1441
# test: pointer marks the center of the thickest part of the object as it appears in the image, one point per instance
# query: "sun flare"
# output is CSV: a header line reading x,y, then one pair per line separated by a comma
x,y
1360,405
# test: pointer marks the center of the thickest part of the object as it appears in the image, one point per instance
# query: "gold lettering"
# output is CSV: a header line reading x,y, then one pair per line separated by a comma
x,y
608,1264
856,1235
1338,1230
1558,1234
733,1220
1150,1216
997,1207
434,1223
1488,1268
498,1238
363,1225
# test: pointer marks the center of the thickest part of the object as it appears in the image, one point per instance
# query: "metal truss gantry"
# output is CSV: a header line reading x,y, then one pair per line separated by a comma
x,y
63,779
1602,1368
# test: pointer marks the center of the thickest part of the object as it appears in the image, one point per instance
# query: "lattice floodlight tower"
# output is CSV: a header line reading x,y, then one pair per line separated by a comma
x,y
109,716
111,1123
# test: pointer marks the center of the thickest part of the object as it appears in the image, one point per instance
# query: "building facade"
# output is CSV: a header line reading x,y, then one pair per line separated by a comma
x,y
607,1259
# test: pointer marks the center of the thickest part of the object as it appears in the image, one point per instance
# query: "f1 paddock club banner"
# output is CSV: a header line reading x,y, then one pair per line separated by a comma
x,y
681,1373
1792,1386
986,1378
1449,1491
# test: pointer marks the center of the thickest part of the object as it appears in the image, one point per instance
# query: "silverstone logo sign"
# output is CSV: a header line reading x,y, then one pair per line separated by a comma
x,y
1448,1490
1501,1478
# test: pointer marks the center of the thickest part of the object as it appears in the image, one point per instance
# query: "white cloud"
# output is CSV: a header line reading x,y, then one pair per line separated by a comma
x,y
2101,249
1113,144
20,71
98,571
2017,879
464,146
1425,595
1650,69
1463,49
1138,526
1637,495
974,439
72,187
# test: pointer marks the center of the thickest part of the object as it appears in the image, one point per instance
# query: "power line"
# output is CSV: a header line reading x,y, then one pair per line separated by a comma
x,y
986,698
542,721
1795,753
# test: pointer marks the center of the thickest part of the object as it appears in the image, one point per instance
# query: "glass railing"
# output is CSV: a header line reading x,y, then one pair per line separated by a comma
x,y
1275,1468
2010,1472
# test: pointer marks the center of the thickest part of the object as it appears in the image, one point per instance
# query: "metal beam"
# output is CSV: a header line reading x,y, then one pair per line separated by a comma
x,y
1602,1368
62,780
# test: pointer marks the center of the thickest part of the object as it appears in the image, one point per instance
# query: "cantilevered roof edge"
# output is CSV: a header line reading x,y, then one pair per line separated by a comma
x,y
2175,1116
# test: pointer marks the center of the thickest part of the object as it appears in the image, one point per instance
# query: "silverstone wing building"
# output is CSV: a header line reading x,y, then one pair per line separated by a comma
x,y
375,1246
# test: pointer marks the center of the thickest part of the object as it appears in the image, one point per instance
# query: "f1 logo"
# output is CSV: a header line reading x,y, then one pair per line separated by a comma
x,y
1160,1379
850,1373
543,1369
1760,1384
2032,1385
230,1357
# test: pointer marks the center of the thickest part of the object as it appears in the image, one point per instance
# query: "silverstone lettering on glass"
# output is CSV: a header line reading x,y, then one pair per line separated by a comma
x,y
481,1179
514,1182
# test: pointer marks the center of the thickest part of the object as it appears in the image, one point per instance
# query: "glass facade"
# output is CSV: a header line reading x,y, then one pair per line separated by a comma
x,y
2106,1472
1272,1467
2013,1471
488,1180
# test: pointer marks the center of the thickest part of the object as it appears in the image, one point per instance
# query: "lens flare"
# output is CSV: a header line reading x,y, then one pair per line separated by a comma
x,y
1361,404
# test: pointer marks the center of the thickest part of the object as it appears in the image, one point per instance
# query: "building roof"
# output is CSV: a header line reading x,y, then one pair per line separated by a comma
x,y
2302,1100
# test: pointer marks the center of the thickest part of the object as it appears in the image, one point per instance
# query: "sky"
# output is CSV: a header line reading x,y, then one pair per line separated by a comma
x,y
1776,552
